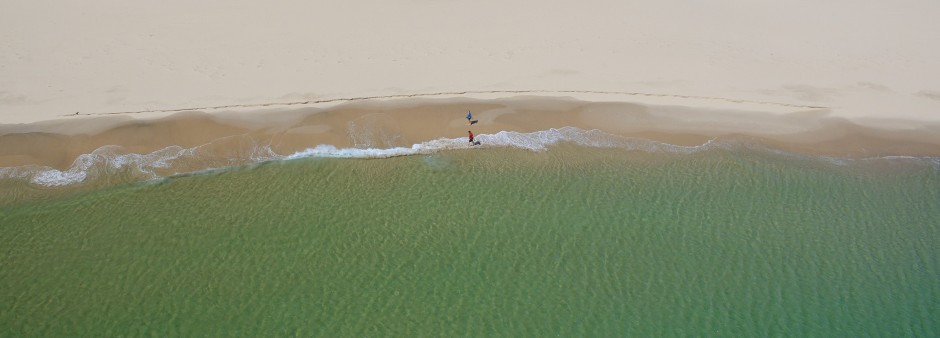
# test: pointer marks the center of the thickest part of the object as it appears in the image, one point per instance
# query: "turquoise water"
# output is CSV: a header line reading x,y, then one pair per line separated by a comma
x,y
573,241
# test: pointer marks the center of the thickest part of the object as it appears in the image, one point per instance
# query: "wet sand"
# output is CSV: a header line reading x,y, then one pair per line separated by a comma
x,y
404,122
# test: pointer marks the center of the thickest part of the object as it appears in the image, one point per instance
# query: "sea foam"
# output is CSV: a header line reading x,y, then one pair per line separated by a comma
x,y
535,141
108,161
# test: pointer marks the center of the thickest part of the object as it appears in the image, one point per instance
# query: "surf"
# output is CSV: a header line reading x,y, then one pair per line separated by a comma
x,y
111,161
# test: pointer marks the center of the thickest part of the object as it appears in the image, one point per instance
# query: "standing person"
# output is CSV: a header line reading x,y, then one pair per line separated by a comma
x,y
469,117
471,136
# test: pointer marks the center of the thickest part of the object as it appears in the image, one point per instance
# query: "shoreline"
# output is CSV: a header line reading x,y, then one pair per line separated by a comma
x,y
85,154
141,76
388,123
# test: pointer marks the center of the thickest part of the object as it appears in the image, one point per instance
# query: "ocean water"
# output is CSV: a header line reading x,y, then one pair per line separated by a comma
x,y
567,239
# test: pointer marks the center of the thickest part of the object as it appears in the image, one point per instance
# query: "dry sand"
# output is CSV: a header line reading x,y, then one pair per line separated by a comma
x,y
876,59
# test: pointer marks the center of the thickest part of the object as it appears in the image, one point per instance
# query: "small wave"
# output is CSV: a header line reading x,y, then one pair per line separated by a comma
x,y
326,150
108,162
842,161
102,161
534,141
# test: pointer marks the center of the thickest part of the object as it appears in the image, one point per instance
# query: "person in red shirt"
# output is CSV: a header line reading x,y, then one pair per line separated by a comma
x,y
471,136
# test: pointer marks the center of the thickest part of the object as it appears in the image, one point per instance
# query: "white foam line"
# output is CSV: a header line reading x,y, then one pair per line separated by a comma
x,y
535,141
108,160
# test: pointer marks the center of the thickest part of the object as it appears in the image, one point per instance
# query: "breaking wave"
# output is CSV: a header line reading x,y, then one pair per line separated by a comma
x,y
109,162
535,141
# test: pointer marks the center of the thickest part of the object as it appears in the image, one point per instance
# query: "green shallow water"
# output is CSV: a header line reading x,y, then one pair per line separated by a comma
x,y
489,242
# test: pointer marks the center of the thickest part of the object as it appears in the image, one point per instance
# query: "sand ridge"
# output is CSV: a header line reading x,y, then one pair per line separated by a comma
x,y
466,93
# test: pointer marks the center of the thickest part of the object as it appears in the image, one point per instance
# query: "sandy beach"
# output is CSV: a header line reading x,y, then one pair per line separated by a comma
x,y
78,77
875,61
382,124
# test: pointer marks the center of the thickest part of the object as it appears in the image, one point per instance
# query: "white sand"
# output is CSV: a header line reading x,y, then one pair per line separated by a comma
x,y
867,60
